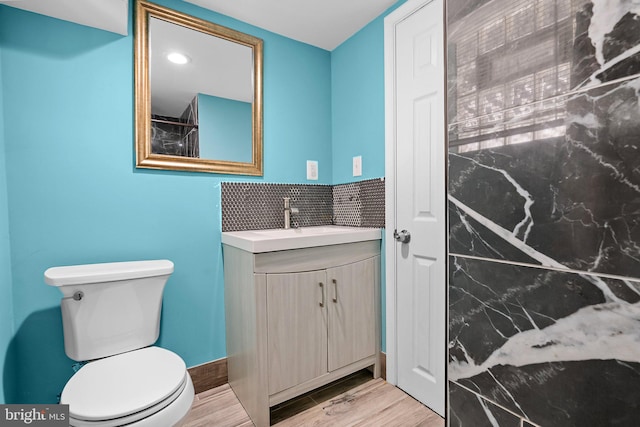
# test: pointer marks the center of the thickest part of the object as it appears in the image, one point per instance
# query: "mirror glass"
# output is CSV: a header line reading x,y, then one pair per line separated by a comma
x,y
198,94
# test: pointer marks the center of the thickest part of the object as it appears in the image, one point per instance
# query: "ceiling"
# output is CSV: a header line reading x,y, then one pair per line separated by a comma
x,y
110,15
322,23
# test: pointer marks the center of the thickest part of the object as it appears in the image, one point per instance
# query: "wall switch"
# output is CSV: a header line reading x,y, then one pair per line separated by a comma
x,y
312,170
357,166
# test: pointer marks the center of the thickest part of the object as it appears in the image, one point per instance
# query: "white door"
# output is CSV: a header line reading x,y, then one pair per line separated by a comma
x,y
417,134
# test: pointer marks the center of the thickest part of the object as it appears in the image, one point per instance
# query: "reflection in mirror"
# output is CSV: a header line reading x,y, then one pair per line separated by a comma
x,y
198,94
208,113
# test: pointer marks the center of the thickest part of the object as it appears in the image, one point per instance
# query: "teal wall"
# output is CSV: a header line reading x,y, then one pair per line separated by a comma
x,y
75,196
224,128
357,104
297,97
6,291
357,112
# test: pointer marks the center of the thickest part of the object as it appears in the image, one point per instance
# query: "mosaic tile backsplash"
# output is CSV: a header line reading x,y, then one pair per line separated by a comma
x,y
359,204
259,206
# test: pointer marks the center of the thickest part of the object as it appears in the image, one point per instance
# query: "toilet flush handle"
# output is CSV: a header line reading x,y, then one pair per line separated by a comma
x,y
77,296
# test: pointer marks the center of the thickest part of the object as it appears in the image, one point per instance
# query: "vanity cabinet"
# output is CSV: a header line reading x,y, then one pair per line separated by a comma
x,y
299,319
318,322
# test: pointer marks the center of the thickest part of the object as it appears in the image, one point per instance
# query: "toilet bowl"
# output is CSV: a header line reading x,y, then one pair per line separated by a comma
x,y
111,317
146,387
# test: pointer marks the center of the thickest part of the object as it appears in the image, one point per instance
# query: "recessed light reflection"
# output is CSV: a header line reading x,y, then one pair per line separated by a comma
x,y
178,58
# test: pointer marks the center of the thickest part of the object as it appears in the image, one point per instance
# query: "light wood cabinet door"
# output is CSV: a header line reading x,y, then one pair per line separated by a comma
x,y
351,312
297,328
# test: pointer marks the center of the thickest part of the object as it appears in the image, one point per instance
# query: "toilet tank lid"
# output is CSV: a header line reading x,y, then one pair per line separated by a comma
x,y
106,272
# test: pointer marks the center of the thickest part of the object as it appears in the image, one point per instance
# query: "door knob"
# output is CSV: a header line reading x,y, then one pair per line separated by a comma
x,y
403,237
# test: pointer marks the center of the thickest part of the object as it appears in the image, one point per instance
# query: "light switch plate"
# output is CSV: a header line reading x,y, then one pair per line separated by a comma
x,y
357,166
312,170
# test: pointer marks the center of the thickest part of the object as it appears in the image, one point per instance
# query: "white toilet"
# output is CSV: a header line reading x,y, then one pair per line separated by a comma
x,y
110,316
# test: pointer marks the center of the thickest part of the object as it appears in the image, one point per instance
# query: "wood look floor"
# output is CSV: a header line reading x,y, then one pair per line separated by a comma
x,y
357,400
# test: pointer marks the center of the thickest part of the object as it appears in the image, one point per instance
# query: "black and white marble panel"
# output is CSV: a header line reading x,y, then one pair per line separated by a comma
x,y
191,135
607,42
544,169
566,195
507,53
470,410
469,236
557,348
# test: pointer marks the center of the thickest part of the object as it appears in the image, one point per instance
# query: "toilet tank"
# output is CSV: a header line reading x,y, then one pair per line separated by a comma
x,y
110,308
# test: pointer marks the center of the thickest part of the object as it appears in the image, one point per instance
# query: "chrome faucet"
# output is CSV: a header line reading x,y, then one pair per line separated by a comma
x,y
288,210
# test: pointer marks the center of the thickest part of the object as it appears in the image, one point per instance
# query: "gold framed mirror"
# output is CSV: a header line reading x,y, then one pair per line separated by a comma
x,y
202,112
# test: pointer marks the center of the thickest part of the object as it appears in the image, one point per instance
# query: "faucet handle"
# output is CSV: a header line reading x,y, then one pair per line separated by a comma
x,y
294,210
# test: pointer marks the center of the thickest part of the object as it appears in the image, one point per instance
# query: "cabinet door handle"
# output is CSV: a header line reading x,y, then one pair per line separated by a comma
x,y
322,292
335,287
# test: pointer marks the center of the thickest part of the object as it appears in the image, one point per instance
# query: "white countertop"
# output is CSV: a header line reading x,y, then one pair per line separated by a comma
x,y
258,241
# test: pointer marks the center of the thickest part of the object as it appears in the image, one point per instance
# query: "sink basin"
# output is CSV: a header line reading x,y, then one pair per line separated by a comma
x,y
258,241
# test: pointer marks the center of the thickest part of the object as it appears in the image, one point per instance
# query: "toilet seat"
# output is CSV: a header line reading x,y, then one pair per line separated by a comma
x,y
127,388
